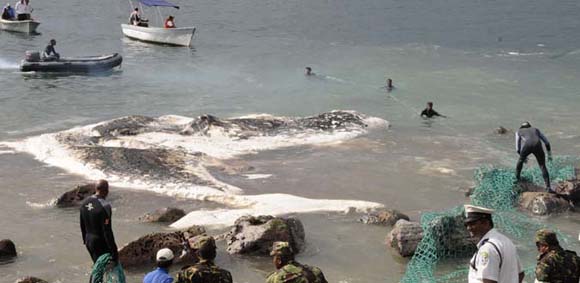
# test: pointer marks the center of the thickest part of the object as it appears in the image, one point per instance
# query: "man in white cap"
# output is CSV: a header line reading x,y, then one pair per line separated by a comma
x,y
496,259
161,273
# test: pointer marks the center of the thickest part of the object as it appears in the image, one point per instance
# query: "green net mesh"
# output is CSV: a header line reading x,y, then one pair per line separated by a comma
x,y
494,189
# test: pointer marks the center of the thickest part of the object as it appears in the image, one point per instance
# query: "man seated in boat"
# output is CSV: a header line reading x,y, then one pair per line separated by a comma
x,y
169,22
8,13
49,53
23,10
136,20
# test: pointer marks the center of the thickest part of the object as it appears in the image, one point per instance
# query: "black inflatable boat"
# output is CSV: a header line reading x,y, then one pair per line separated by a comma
x,y
88,64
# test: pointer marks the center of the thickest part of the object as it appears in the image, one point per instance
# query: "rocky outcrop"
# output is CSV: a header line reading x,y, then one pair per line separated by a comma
x,y
7,249
502,131
405,237
30,279
143,250
76,196
570,190
541,203
452,239
255,235
165,215
385,217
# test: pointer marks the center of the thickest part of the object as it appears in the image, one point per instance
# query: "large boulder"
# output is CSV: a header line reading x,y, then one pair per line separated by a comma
x,y
76,196
30,279
165,215
143,250
569,189
255,235
541,203
405,237
385,217
7,249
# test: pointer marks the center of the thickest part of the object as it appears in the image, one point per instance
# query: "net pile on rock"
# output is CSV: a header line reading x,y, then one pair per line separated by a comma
x,y
444,233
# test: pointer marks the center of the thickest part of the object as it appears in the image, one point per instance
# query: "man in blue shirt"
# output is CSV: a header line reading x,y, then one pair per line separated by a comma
x,y
161,273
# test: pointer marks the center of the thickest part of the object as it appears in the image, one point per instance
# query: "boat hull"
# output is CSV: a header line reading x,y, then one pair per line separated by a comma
x,y
74,65
171,36
28,26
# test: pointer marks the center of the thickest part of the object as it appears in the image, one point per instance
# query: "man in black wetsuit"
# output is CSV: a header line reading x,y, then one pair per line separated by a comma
x,y
96,224
49,53
529,141
429,112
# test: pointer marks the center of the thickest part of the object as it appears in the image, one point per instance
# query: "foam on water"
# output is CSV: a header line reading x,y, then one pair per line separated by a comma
x,y
217,144
6,65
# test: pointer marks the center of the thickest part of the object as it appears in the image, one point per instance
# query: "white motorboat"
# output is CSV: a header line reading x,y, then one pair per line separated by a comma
x,y
27,26
173,36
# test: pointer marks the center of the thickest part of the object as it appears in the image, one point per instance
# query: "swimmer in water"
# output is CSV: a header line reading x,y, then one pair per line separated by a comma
x,y
389,85
309,72
429,112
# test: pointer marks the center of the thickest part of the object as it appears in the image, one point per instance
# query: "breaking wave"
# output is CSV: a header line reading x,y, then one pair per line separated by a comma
x,y
170,155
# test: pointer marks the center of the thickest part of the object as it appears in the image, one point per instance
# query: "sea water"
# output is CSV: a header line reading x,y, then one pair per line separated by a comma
x,y
483,64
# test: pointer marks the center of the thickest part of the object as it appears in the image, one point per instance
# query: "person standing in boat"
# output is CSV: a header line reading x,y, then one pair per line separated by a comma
x,y
49,53
23,10
169,22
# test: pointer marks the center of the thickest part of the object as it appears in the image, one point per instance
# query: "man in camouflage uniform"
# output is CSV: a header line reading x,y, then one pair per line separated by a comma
x,y
205,271
555,265
290,271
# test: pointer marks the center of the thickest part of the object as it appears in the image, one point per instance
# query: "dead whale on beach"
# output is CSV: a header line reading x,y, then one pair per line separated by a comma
x,y
171,155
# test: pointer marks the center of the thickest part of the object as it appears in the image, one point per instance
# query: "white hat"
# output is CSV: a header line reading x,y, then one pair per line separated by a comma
x,y
164,254
473,213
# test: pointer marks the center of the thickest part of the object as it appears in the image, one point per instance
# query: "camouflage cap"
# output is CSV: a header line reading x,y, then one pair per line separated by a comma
x,y
201,241
547,237
281,248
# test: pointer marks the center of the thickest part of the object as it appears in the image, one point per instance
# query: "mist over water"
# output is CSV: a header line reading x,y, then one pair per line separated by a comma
x,y
483,64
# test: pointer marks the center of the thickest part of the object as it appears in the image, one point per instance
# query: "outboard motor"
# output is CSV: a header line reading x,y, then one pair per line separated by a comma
x,y
32,56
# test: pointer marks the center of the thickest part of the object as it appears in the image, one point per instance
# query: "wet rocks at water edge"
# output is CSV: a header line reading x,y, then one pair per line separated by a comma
x,y
143,250
569,189
502,131
7,249
164,215
405,237
254,235
75,197
542,203
385,217
30,279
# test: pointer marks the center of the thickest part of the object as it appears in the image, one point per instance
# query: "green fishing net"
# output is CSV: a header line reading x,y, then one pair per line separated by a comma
x,y
441,242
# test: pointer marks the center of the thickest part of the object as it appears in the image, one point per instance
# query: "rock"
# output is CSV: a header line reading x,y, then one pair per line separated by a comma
x,y
570,189
75,197
541,203
255,235
405,237
452,239
167,214
526,186
7,249
143,250
385,217
502,131
30,279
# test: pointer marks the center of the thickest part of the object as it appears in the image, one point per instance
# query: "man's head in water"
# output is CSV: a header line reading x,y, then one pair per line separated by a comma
x,y
102,188
389,83
525,125
429,105
309,71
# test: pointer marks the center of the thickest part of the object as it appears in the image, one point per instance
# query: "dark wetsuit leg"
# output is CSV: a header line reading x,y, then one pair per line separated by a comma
x,y
96,247
538,152
524,153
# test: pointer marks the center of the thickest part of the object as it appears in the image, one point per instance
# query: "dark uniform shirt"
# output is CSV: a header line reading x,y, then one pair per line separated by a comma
x,y
96,228
205,271
429,113
49,50
295,272
558,266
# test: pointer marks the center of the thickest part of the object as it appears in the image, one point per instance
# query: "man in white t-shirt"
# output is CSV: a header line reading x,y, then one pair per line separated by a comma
x,y
23,10
496,259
